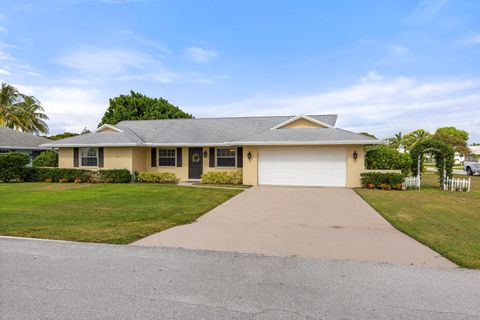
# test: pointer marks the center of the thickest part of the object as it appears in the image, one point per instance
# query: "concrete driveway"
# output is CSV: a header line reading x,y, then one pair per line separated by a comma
x,y
331,223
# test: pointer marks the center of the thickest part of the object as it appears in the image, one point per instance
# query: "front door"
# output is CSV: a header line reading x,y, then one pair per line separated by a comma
x,y
195,163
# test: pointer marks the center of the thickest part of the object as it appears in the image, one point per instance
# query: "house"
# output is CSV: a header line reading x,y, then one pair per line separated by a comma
x,y
278,150
474,149
13,140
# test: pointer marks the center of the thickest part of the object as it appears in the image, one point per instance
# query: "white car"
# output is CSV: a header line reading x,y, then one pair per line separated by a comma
x,y
471,164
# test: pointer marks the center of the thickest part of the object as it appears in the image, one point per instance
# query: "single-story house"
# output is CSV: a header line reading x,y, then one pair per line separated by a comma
x,y
304,150
13,140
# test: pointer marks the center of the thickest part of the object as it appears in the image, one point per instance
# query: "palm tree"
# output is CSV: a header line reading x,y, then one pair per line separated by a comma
x,y
21,112
395,142
32,116
9,99
414,137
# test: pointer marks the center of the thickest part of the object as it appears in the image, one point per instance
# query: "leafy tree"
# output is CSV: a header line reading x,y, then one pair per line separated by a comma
x,y
137,106
21,112
383,157
414,137
457,143
62,136
367,134
46,159
452,131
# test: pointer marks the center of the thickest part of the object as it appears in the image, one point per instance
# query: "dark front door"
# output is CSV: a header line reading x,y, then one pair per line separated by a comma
x,y
195,163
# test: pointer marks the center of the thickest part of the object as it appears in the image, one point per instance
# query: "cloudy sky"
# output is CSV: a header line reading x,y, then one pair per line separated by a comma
x,y
383,66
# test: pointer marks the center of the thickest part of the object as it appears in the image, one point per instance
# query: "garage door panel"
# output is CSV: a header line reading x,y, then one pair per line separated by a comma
x,y
302,166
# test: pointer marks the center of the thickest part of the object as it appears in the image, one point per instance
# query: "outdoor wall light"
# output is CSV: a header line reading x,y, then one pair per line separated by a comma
x,y
355,155
249,155
205,154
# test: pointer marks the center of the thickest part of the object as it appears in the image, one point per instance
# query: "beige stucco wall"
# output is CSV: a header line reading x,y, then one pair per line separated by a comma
x,y
180,172
302,123
139,162
65,158
355,167
250,167
138,159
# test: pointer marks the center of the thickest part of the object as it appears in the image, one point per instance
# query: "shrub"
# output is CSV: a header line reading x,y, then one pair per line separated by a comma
x,y
382,180
223,177
12,166
383,157
115,176
157,177
61,175
46,159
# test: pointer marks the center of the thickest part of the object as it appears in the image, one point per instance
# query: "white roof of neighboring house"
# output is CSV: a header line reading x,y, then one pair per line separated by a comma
x,y
474,149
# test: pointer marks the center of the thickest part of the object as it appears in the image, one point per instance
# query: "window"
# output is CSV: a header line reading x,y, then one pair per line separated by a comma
x,y
4,151
167,157
89,157
226,157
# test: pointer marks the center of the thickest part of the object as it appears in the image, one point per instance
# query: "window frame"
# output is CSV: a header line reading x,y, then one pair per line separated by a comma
x,y
175,157
229,157
81,157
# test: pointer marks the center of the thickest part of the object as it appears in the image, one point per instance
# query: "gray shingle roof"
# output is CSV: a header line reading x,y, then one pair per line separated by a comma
x,y
13,139
208,131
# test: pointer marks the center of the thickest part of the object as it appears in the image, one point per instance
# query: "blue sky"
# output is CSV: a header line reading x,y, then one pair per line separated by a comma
x,y
383,66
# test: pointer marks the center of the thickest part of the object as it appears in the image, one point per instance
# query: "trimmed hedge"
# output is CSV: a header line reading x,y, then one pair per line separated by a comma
x,y
63,175
223,177
46,159
12,166
382,180
157,177
383,157
115,176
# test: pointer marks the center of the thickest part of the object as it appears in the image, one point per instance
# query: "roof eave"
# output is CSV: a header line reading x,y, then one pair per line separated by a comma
x,y
339,142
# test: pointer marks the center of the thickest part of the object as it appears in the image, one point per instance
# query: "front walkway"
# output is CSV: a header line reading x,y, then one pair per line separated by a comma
x,y
331,223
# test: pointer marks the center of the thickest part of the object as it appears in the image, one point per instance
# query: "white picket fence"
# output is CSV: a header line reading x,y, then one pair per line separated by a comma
x,y
457,184
411,182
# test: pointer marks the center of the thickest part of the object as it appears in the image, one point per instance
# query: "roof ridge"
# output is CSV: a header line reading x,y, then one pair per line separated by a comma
x,y
233,117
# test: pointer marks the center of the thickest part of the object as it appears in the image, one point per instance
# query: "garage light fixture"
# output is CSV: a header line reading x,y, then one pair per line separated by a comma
x,y
355,155
249,155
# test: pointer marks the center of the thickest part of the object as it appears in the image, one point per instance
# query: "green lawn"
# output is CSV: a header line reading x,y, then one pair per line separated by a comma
x,y
109,213
448,222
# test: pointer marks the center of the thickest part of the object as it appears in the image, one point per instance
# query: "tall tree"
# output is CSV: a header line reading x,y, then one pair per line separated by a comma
x,y
21,112
414,137
137,106
452,131
453,137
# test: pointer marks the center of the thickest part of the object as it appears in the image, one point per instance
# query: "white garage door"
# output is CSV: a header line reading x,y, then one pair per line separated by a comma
x,y
297,166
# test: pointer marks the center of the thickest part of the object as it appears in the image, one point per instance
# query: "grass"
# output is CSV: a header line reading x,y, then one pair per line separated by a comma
x,y
448,222
106,213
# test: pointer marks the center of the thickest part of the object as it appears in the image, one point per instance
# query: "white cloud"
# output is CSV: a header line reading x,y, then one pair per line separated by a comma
x,y
471,40
425,11
371,76
400,50
383,106
125,65
4,72
69,108
200,55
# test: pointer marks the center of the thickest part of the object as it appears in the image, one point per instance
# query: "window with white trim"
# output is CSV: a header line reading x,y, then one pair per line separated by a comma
x,y
89,157
226,157
167,157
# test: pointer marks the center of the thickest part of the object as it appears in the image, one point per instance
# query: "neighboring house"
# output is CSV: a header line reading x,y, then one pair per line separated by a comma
x,y
13,140
278,150
474,149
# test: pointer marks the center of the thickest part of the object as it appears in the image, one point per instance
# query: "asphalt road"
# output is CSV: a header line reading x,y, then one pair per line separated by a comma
x,y
63,280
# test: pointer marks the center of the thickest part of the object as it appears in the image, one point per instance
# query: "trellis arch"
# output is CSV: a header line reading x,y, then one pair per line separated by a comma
x,y
444,158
